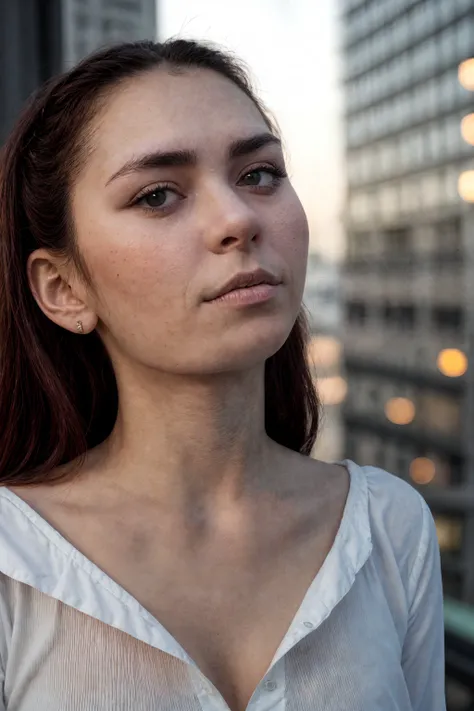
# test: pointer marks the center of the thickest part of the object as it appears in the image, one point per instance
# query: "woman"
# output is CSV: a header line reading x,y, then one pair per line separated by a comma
x,y
166,541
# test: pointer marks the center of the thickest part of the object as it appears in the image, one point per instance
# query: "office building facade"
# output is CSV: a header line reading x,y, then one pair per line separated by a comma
x,y
89,24
30,52
323,306
39,38
409,272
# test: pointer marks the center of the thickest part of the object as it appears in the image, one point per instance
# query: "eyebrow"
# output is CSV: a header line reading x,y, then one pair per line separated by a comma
x,y
182,158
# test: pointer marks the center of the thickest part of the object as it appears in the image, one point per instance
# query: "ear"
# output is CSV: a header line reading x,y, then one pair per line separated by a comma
x,y
60,297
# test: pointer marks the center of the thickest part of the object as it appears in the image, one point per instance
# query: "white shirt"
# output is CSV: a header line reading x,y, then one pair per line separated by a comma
x,y
368,635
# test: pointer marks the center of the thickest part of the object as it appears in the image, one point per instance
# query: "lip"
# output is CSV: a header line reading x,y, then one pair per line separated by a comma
x,y
250,283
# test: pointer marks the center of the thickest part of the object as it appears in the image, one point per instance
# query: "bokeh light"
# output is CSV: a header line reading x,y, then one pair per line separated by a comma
x,y
467,129
449,532
422,470
332,390
452,362
466,74
466,185
400,410
324,351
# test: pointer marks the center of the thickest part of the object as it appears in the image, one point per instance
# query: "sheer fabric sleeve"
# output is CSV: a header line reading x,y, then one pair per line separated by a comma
x,y
5,625
423,650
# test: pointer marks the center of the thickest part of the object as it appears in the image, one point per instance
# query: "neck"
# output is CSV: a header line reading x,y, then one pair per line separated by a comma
x,y
184,440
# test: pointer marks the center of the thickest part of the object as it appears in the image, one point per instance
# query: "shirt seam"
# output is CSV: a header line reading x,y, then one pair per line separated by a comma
x,y
417,566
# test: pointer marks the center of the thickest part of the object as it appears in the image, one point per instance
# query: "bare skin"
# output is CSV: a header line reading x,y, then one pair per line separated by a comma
x,y
213,527
226,587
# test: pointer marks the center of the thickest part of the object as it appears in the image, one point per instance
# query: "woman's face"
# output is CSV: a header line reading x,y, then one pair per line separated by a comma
x,y
183,190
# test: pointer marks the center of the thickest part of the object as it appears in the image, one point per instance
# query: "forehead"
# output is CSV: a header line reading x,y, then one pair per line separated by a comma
x,y
191,110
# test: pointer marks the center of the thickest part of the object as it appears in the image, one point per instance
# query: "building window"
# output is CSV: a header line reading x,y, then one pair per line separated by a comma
x,y
388,312
439,413
448,318
413,149
465,37
409,196
432,96
435,142
360,206
431,189
450,533
398,240
451,193
356,245
356,312
388,201
449,236
456,470
448,89
366,164
406,316
453,136
399,316
453,584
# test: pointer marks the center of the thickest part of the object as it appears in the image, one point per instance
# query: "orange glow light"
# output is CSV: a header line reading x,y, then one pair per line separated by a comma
x,y
422,470
452,362
467,129
324,351
332,390
466,185
449,533
466,74
400,411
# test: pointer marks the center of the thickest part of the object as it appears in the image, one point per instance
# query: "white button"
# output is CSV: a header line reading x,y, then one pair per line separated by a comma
x,y
308,624
270,685
207,688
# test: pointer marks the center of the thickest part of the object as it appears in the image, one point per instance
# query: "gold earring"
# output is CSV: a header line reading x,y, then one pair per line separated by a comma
x,y
79,327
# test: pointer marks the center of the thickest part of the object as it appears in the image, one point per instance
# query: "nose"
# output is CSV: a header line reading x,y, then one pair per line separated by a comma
x,y
229,221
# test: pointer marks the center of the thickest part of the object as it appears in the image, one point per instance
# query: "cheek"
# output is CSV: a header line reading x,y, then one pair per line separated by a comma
x,y
293,237
138,276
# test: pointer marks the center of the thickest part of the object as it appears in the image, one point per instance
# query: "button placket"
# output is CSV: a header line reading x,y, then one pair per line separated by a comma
x,y
270,695
209,698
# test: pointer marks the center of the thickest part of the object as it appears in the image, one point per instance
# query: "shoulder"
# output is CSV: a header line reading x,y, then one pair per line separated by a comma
x,y
393,499
400,520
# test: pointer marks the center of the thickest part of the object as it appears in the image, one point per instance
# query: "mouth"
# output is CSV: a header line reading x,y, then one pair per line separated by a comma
x,y
247,286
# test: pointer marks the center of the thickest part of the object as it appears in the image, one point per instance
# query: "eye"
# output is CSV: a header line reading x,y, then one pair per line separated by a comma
x,y
157,199
263,177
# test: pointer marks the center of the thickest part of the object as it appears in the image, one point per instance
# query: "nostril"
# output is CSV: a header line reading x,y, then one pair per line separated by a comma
x,y
227,241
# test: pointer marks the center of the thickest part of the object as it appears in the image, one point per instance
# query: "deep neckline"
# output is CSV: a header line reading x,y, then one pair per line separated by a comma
x,y
53,565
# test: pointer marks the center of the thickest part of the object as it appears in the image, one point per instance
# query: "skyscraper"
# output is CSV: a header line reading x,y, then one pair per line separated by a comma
x,y
409,275
89,24
39,38
30,52
322,302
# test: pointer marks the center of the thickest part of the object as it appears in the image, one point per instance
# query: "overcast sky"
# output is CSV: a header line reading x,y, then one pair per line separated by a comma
x,y
291,49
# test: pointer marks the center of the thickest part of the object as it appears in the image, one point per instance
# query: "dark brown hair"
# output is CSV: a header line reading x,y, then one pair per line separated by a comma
x,y
58,394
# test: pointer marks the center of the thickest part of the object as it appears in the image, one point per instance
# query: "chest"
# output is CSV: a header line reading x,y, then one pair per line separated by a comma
x,y
228,604
352,660
230,615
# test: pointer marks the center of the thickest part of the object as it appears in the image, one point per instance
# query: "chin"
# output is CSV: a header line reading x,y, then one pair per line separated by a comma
x,y
247,348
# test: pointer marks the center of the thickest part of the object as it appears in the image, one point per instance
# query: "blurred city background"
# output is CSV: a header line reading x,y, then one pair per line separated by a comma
x,y
375,99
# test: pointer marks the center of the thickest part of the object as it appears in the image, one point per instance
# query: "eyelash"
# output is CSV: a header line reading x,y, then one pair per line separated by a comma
x,y
161,187
276,171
